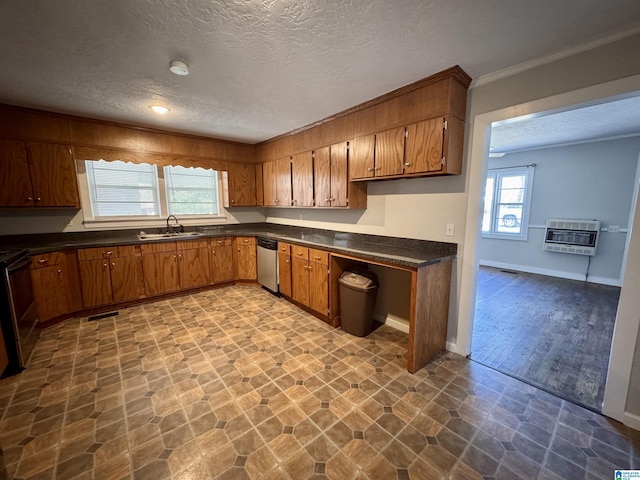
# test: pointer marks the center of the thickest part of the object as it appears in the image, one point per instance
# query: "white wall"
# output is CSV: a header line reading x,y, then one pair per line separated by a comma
x,y
587,181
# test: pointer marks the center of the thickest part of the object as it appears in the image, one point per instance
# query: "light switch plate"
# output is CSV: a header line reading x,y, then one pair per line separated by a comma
x,y
449,230
613,229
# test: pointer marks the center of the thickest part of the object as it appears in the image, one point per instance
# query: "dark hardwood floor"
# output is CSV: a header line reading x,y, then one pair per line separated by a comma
x,y
550,332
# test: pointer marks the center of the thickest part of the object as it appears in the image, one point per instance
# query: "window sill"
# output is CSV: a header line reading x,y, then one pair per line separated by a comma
x,y
506,236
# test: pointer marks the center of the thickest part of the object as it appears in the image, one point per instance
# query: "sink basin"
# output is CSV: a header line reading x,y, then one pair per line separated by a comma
x,y
160,236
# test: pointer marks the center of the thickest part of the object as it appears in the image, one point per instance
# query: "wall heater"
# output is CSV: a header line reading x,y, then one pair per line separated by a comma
x,y
579,237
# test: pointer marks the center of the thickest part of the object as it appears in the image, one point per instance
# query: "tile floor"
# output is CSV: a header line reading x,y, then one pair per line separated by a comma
x,y
234,383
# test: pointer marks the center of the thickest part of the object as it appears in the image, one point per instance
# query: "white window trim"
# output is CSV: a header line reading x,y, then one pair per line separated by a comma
x,y
528,193
145,221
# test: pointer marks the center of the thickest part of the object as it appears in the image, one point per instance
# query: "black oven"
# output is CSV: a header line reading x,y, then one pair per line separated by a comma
x,y
18,310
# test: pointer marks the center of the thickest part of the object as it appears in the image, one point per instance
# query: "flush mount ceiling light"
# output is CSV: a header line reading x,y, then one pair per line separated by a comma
x,y
179,68
161,109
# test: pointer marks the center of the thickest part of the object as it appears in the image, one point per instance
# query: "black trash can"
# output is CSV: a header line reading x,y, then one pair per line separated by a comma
x,y
358,290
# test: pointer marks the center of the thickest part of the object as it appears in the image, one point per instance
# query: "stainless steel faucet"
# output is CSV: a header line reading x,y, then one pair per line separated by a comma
x,y
173,228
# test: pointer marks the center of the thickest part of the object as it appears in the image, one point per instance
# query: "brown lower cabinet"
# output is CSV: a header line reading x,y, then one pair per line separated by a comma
x,y
173,266
50,287
221,256
284,268
109,275
245,258
310,278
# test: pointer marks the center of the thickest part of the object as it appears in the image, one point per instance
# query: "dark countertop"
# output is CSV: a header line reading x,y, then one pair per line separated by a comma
x,y
405,252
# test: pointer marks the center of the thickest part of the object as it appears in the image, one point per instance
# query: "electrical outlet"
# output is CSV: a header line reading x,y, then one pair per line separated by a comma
x,y
613,229
449,230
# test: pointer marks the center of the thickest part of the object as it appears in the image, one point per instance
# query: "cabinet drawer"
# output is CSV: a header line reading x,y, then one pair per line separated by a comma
x,y
157,247
284,248
220,242
46,259
106,252
191,244
319,256
299,252
246,240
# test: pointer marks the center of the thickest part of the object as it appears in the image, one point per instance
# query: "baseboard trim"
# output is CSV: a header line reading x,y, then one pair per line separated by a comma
x,y
393,322
631,420
451,347
613,282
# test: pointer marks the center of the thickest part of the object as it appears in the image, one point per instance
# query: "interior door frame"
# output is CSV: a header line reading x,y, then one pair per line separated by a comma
x,y
627,319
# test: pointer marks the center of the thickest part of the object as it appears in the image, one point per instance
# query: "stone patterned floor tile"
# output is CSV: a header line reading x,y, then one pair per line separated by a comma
x,y
236,383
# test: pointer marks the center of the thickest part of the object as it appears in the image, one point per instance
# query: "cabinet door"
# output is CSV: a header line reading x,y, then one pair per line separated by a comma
x,y
284,274
283,188
300,280
194,267
160,272
4,358
361,157
53,175
124,278
50,290
259,185
96,283
389,152
339,178
15,180
245,259
424,147
242,184
322,176
221,263
269,183
319,288
302,179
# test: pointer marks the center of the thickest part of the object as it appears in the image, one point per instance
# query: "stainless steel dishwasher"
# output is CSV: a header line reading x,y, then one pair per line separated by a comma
x,y
268,264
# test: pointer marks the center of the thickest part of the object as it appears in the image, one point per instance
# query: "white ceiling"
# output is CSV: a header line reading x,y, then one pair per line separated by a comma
x,y
615,118
260,68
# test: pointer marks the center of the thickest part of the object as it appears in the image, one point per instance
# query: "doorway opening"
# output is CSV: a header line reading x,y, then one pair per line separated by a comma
x,y
545,317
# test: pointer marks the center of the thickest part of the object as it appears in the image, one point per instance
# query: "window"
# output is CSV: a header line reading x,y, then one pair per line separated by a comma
x,y
506,203
191,191
121,191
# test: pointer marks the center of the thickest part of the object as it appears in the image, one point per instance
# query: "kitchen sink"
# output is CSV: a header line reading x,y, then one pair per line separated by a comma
x,y
160,236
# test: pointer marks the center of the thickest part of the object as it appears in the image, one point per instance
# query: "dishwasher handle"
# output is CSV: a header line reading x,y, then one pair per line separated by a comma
x,y
268,243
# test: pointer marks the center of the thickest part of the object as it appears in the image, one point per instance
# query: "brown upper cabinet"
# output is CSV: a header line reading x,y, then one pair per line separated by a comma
x,y
277,182
428,147
302,179
331,182
242,184
36,174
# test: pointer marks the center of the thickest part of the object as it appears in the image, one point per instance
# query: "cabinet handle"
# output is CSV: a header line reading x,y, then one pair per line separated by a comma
x,y
29,199
38,199
180,256
276,200
59,272
113,264
213,251
220,242
233,201
408,164
300,253
175,257
245,241
105,265
370,169
108,253
308,268
238,249
43,261
316,257
287,260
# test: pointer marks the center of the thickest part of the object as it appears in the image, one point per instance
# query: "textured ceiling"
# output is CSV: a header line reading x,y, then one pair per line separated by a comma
x,y
262,68
611,119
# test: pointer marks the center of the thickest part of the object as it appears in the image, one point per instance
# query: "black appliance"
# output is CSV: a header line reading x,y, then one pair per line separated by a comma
x,y
18,310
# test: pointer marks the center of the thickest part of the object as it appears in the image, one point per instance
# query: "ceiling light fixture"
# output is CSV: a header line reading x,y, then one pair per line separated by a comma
x,y
179,68
159,109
